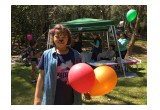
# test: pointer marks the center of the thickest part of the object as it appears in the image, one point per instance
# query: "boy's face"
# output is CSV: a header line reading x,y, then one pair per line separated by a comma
x,y
60,39
121,35
94,36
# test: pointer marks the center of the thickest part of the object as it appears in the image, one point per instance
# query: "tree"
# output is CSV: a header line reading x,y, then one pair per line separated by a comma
x,y
118,13
35,19
135,27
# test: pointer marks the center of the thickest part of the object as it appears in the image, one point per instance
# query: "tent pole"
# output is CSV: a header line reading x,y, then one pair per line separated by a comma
x,y
115,36
48,41
107,39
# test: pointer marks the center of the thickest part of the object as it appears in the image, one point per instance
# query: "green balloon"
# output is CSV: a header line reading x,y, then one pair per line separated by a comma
x,y
131,15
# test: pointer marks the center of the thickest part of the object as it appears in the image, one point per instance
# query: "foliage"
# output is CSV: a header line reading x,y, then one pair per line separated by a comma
x,y
26,18
36,19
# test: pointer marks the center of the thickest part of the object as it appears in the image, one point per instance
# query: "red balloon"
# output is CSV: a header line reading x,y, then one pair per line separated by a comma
x,y
81,77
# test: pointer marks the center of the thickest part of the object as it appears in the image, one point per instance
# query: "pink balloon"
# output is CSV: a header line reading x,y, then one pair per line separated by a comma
x,y
81,77
29,36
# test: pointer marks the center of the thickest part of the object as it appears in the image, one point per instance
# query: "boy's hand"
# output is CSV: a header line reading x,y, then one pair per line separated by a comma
x,y
91,43
37,101
87,96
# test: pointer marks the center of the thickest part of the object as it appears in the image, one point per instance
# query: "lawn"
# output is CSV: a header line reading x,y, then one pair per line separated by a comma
x,y
22,90
128,91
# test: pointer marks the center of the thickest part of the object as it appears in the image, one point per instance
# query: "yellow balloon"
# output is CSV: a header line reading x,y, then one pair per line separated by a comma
x,y
106,80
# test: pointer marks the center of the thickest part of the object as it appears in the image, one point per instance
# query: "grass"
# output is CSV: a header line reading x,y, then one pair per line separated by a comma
x,y
128,91
22,90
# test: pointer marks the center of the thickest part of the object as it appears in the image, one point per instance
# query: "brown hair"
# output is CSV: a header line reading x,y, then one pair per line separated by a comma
x,y
95,33
63,29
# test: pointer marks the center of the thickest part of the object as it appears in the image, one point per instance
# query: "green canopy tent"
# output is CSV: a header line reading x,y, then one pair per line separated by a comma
x,y
90,25
87,24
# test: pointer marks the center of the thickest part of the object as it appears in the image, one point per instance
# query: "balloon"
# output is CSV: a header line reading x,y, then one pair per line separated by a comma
x,y
106,79
29,36
131,15
81,77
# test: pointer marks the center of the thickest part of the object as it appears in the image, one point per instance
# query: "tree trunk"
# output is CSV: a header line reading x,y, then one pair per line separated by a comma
x,y
13,42
131,44
135,31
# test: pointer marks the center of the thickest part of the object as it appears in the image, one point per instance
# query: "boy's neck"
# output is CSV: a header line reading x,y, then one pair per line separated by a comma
x,y
62,51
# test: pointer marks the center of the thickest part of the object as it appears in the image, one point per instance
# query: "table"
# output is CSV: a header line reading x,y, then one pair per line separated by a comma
x,y
103,62
112,63
128,62
86,56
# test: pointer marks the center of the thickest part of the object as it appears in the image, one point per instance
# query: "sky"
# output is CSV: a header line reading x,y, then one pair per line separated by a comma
x,y
153,53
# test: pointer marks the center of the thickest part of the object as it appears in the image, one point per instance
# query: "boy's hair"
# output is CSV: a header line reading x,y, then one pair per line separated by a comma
x,y
63,29
32,43
95,33
118,33
125,36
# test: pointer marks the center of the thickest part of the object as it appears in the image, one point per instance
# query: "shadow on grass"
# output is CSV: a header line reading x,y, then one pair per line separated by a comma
x,y
120,99
140,74
22,90
132,82
139,50
94,103
23,72
107,103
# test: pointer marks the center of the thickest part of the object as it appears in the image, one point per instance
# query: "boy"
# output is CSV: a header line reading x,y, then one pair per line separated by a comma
x,y
54,67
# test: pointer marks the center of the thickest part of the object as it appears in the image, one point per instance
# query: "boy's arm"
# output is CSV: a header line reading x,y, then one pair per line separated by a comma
x,y
97,44
37,97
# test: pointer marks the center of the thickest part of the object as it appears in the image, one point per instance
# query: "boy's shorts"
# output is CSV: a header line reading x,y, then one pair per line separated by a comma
x,y
35,61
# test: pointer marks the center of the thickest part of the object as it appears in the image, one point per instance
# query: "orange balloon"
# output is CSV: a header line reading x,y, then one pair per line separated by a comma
x,y
106,80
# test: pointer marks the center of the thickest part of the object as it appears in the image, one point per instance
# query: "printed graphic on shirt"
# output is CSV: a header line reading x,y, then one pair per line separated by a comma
x,y
63,69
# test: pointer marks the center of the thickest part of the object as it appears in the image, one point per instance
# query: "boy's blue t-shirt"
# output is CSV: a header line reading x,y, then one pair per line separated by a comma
x,y
123,43
64,92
